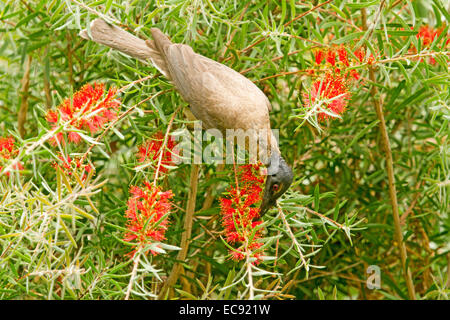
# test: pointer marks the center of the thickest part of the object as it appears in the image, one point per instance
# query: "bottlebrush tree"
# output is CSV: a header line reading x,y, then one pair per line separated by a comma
x,y
96,201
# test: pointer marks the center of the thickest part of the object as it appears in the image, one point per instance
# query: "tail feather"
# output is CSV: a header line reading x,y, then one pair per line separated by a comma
x,y
161,41
158,59
116,38
159,46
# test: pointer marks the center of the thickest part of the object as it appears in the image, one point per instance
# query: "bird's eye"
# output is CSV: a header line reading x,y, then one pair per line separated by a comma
x,y
275,187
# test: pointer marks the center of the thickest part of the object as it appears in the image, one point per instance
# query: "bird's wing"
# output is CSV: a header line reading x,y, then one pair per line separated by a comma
x,y
228,85
219,96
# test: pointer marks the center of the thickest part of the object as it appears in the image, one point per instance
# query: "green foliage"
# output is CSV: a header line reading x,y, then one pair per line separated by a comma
x,y
61,237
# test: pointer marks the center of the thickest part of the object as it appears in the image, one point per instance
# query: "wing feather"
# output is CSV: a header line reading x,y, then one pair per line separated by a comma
x,y
218,95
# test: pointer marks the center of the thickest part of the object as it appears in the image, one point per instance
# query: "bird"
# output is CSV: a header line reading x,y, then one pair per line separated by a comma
x,y
219,96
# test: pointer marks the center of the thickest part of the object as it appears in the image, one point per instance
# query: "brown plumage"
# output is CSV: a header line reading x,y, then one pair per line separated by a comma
x,y
217,95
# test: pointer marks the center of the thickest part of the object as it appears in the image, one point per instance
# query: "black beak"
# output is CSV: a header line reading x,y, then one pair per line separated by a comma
x,y
267,201
265,206
278,180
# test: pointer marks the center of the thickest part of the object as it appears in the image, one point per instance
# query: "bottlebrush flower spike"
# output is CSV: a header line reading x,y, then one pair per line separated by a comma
x,y
240,214
354,74
6,147
147,214
8,151
360,54
427,34
371,59
318,56
90,108
342,54
331,57
151,151
340,66
332,88
70,166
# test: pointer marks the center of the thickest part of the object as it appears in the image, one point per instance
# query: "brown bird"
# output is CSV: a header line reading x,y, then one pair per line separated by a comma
x,y
217,95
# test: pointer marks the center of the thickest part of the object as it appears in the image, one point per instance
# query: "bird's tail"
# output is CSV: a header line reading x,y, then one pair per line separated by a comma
x,y
114,37
159,46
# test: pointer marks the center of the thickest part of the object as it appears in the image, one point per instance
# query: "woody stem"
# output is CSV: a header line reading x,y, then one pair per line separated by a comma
x,y
391,178
249,274
136,260
186,235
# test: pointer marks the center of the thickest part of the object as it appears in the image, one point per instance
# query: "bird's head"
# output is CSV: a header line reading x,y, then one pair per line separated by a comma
x,y
279,178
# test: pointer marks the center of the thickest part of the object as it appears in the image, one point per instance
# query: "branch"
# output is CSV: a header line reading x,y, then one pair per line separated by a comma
x,y
185,237
136,261
391,178
22,116
166,138
293,238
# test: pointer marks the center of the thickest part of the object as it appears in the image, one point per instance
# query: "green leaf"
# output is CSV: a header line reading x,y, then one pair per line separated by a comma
x,y
316,198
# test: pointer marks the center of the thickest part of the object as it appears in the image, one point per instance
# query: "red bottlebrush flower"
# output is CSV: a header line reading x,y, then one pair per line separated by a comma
x,y
151,150
7,151
331,57
237,255
147,212
74,137
332,87
354,74
89,108
342,54
318,56
239,212
427,34
371,59
360,54
6,146
51,116
70,166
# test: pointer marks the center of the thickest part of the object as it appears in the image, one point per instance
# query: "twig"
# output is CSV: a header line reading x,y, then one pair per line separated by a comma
x,y
136,261
150,77
293,238
334,14
307,12
280,75
249,274
337,224
413,56
390,172
32,146
22,116
273,60
233,33
405,215
209,198
166,138
48,95
99,14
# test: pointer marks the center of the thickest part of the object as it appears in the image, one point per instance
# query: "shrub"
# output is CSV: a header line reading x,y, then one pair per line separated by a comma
x,y
92,206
